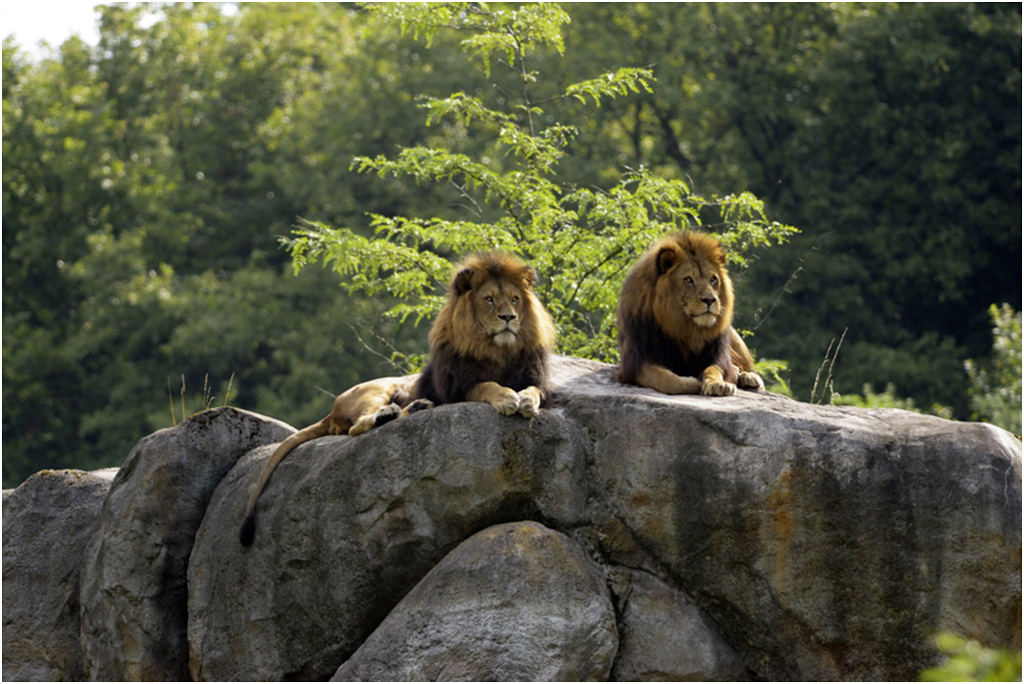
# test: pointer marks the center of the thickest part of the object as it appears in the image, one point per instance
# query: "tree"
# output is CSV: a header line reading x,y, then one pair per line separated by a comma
x,y
910,189
142,208
889,133
996,385
580,240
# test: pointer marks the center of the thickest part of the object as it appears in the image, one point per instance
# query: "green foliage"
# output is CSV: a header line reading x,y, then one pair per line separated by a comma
x,y
771,370
890,133
887,399
580,240
142,203
147,181
996,385
969,661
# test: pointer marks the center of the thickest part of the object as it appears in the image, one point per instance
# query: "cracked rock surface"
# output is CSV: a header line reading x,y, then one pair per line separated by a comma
x,y
710,538
515,602
808,542
134,572
48,523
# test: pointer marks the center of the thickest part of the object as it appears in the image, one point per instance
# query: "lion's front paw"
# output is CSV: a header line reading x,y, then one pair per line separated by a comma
x,y
529,403
717,388
751,381
505,402
419,405
386,414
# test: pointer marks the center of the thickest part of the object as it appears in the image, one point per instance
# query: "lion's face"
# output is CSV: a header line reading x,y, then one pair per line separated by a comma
x,y
492,312
691,288
498,310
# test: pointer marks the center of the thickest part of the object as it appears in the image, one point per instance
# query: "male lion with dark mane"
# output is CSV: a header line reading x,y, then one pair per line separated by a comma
x,y
490,343
675,321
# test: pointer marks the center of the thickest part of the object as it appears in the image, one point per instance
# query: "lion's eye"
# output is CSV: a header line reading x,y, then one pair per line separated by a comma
x,y
515,300
714,281
489,300
688,281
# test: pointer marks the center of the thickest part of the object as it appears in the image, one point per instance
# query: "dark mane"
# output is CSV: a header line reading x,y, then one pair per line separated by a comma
x,y
643,341
449,375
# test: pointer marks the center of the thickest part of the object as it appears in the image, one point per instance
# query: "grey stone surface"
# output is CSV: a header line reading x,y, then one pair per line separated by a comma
x,y
665,637
824,542
133,585
514,602
751,535
47,523
348,525
819,542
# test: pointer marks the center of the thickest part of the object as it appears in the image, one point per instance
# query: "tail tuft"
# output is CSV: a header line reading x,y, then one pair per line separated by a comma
x,y
247,534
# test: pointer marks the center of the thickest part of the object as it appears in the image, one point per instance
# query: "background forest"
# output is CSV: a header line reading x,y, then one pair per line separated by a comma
x,y
148,181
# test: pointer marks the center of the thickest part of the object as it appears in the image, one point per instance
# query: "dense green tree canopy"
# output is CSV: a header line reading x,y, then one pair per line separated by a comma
x,y
149,179
581,241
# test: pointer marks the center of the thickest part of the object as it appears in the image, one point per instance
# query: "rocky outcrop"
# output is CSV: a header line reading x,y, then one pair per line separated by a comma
x,y
819,542
825,542
515,603
48,522
734,537
320,576
133,579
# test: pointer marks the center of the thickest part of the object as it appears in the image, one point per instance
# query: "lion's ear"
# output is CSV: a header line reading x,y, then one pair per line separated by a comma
x,y
462,282
667,258
531,277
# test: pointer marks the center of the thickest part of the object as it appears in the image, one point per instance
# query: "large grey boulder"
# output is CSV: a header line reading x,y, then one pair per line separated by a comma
x,y
48,523
133,585
515,602
746,536
348,525
824,542
817,542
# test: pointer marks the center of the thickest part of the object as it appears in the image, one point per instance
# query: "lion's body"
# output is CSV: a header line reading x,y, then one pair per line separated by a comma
x,y
675,321
490,343
492,337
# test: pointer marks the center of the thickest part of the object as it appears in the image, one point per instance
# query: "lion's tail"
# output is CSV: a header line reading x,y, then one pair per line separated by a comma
x,y
247,533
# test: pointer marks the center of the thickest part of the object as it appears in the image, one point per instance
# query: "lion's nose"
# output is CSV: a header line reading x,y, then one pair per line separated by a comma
x,y
508,318
708,300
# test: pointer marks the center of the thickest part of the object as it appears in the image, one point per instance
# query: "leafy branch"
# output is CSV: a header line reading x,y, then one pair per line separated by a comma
x,y
581,241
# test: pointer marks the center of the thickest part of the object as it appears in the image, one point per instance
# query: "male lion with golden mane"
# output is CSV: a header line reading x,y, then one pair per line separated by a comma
x,y
489,343
675,321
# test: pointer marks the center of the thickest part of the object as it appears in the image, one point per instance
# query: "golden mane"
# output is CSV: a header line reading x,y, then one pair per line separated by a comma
x,y
675,321
646,293
455,326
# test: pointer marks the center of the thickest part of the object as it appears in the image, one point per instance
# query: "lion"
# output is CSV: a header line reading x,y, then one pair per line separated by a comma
x,y
675,321
489,343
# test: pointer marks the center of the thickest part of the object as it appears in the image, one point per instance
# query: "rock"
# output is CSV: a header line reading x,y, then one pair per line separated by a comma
x,y
348,525
818,542
133,586
665,637
824,542
746,536
515,602
48,522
